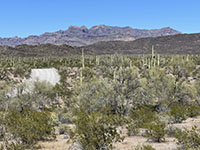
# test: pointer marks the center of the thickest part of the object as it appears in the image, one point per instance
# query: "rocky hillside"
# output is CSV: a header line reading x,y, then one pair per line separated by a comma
x,y
172,44
39,50
82,36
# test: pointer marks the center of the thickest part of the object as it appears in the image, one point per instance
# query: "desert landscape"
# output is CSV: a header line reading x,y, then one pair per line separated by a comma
x,y
99,75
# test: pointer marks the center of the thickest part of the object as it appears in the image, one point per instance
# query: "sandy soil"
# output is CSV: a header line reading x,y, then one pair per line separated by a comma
x,y
59,144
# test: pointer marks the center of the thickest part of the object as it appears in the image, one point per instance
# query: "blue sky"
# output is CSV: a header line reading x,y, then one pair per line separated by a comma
x,y
33,17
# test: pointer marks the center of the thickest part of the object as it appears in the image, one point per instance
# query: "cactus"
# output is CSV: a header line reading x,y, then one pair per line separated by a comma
x,y
158,60
131,66
83,59
111,59
187,58
81,77
149,63
97,61
152,52
152,56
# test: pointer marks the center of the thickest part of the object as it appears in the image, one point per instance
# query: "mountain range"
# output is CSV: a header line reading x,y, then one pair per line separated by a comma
x,y
171,44
82,36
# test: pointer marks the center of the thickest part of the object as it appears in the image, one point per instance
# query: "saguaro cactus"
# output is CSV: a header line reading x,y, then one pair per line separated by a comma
x,y
152,52
81,77
149,63
97,60
158,60
187,58
83,59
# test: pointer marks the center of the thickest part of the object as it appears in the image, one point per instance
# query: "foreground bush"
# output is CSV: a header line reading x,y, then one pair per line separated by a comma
x,y
142,115
156,131
188,139
12,146
95,131
177,113
193,110
28,127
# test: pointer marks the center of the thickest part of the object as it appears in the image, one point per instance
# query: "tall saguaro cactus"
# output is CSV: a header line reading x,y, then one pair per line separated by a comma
x,y
97,61
187,58
152,52
83,66
158,60
81,77
83,59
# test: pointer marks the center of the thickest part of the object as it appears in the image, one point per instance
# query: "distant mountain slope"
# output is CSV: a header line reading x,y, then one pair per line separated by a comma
x,y
39,50
82,36
173,44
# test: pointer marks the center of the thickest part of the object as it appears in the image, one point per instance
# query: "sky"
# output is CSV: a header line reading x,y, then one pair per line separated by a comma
x,y
33,17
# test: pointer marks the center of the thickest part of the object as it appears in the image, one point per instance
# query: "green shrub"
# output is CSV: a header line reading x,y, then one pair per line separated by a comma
x,y
132,129
188,139
193,110
142,115
12,146
156,131
30,126
95,131
177,113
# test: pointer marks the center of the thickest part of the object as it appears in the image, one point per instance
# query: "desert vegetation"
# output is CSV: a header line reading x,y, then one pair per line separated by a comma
x,y
100,101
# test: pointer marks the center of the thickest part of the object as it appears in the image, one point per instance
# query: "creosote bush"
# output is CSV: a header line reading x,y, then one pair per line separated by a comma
x,y
188,139
12,146
156,131
29,126
142,115
177,113
95,131
193,110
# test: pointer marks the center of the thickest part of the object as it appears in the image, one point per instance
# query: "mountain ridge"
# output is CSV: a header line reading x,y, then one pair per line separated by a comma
x,y
83,36
171,44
